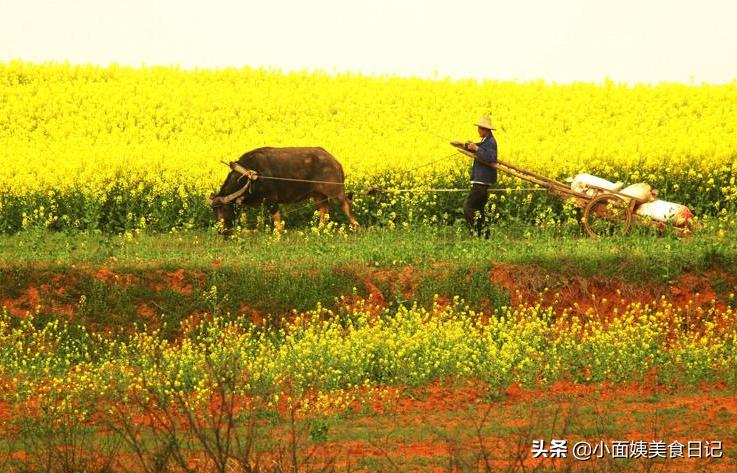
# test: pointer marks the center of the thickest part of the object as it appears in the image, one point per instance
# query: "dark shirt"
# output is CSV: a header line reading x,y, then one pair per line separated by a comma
x,y
480,172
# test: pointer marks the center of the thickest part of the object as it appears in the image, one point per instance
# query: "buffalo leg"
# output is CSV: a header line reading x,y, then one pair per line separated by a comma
x,y
323,213
346,206
322,204
276,217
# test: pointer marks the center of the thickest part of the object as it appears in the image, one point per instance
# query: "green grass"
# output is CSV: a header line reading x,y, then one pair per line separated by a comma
x,y
632,257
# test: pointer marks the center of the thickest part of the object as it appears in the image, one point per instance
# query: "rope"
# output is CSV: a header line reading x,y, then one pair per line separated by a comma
x,y
274,178
252,176
432,162
302,205
503,189
312,181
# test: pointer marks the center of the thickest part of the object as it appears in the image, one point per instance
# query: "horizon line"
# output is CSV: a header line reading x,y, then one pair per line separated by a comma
x,y
435,76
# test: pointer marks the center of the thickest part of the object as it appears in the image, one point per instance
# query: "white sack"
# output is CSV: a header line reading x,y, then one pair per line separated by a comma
x,y
641,192
664,211
582,182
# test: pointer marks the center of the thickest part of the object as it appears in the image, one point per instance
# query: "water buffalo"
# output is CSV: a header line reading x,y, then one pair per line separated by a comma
x,y
305,173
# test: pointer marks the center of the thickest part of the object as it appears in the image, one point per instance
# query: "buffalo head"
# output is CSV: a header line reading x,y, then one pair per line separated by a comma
x,y
224,213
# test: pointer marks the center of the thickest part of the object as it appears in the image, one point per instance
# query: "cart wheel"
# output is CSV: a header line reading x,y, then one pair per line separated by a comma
x,y
607,215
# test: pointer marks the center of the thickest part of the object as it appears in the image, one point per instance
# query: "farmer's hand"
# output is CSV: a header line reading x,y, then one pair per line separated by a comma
x,y
472,147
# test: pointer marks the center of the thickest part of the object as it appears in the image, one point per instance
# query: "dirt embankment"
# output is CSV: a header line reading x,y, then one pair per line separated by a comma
x,y
142,294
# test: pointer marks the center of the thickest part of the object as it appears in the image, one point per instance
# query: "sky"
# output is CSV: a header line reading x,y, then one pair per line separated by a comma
x,y
560,41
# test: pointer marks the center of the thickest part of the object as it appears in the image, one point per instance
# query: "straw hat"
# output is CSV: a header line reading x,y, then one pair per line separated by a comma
x,y
485,122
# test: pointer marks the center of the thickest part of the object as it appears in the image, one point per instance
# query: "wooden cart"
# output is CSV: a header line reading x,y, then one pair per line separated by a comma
x,y
607,212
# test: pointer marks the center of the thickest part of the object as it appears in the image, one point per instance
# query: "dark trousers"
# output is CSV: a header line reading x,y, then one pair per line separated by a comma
x,y
473,208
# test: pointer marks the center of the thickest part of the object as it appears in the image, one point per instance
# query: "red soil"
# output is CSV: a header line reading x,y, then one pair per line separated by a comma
x,y
434,425
177,281
530,284
428,429
526,284
27,303
107,275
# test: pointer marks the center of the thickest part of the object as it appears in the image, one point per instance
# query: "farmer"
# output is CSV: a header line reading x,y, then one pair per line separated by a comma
x,y
482,175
